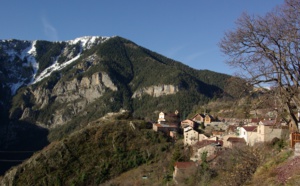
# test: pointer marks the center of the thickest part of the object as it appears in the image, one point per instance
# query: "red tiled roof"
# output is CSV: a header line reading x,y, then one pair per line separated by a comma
x,y
204,143
166,125
236,140
255,120
184,165
250,128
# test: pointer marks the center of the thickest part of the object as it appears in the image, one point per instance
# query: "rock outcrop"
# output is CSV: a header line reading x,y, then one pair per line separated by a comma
x,y
156,91
75,95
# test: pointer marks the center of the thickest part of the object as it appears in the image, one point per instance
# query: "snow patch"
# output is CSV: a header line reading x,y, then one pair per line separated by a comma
x,y
30,54
87,42
55,67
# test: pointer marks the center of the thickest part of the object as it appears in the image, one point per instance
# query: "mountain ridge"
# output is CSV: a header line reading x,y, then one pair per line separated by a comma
x,y
112,75
59,70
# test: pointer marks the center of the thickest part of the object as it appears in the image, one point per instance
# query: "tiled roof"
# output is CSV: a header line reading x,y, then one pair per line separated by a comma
x,y
250,128
204,143
255,120
166,125
236,140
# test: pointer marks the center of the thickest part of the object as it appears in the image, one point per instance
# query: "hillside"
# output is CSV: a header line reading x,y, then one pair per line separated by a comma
x,y
118,150
53,84
93,155
48,90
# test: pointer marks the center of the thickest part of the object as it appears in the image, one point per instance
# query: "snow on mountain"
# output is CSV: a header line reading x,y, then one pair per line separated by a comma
x,y
86,42
26,52
56,66
29,54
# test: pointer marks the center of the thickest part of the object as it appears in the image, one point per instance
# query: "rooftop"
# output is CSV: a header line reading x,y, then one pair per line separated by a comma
x,y
250,128
236,140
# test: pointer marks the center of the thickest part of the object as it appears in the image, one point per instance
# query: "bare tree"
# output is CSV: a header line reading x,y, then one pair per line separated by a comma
x,y
267,50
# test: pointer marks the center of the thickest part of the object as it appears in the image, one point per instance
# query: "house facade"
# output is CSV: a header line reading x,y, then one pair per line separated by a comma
x,y
199,118
208,119
249,133
167,123
211,147
232,142
161,118
165,128
268,130
188,122
190,136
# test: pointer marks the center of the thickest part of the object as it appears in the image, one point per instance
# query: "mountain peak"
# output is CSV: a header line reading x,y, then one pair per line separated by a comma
x,y
87,42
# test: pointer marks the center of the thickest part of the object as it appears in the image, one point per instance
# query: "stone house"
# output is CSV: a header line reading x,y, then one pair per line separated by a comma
x,y
167,118
269,129
167,123
249,133
161,118
199,118
188,122
234,141
208,119
165,128
212,147
190,136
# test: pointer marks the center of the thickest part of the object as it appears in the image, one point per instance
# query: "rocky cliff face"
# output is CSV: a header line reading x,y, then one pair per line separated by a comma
x,y
156,91
72,95
61,80
50,89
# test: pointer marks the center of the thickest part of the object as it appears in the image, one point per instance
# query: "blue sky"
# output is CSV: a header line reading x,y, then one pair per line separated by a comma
x,y
186,31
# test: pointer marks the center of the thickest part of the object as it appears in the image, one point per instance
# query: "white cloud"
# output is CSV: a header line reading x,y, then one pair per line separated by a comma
x,y
49,30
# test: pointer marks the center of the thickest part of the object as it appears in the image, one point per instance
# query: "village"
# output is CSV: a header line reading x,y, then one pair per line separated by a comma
x,y
204,133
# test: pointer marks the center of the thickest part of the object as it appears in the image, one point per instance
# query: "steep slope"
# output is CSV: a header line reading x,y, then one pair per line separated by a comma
x,y
92,155
74,82
62,86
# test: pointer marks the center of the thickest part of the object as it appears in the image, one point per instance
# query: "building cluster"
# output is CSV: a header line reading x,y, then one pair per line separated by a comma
x,y
227,133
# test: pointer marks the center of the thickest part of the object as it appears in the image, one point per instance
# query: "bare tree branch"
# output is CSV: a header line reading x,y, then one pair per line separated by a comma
x,y
267,50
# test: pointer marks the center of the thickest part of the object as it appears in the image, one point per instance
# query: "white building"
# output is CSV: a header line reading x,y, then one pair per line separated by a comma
x,y
249,133
190,136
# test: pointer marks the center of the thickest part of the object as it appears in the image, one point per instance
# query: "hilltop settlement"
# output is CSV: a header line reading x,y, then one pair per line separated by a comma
x,y
209,135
